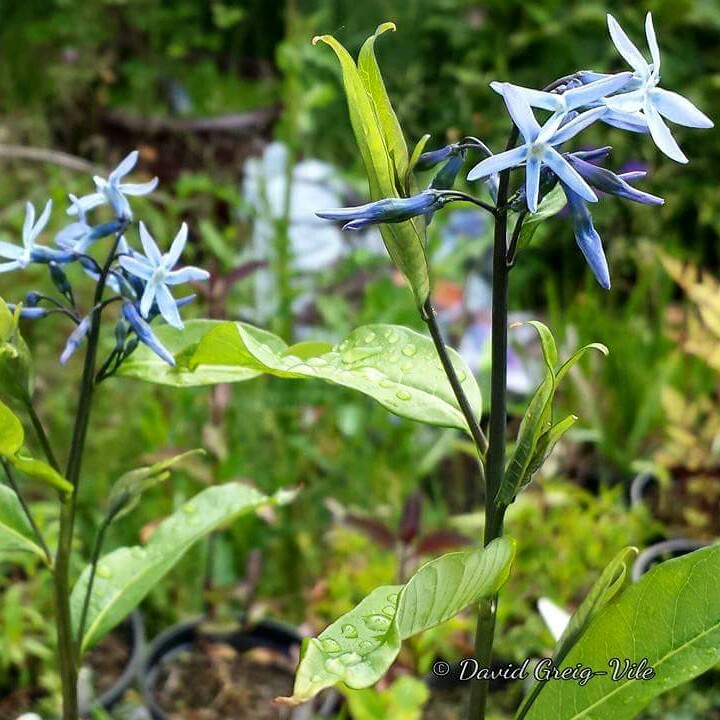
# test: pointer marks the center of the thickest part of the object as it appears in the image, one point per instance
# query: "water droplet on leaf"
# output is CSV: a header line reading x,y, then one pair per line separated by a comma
x,y
330,646
403,395
349,631
409,350
378,623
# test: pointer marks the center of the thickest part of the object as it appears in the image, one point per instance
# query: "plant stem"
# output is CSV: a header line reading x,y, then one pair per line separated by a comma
x,y
430,318
497,432
68,658
26,510
41,434
97,549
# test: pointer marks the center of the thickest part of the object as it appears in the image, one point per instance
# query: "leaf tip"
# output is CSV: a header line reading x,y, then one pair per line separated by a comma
x,y
319,38
384,27
291,701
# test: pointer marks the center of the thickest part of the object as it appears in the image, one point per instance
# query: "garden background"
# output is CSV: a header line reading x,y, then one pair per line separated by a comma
x,y
246,125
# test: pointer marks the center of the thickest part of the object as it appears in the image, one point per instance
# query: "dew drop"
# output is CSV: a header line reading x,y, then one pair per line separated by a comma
x,y
406,367
366,645
350,658
334,666
315,679
377,622
392,358
461,376
316,362
349,631
403,395
369,337
393,598
409,350
330,646
385,383
104,571
189,508
392,337
389,610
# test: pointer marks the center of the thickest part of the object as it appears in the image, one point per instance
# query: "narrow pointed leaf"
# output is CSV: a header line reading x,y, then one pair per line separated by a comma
x,y
416,153
549,206
16,533
126,575
360,647
41,472
546,444
387,120
577,355
405,240
671,617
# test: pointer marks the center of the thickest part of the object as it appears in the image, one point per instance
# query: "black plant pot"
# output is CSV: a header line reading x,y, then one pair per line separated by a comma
x,y
663,551
182,637
133,630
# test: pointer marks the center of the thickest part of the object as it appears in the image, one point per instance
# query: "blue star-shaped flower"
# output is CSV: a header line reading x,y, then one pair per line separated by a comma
x,y
20,257
156,271
539,148
113,191
648,102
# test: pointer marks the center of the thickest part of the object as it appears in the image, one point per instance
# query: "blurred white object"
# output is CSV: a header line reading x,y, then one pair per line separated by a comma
x,y
314,243
29,716
555,618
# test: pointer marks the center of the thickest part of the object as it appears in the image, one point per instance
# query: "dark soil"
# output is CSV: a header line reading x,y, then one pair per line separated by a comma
x,y
218,683
108,659
18,702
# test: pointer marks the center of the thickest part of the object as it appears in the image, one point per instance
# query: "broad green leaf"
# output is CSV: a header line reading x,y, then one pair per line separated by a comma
x,y
396,366
361,646
387,120
145,365
126,575
404,241
15,358
41,472
16,533
127,490
12,435
550,205
671,617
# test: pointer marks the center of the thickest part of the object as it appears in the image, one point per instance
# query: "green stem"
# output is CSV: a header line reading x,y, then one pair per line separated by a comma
x,y
497,434
97,549
41,434
26,510
67,653
430,318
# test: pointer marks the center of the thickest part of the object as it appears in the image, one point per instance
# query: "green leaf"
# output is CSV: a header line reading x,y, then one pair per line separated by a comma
x,y
392,364
671,617
41,472
145,365
550,205
614,579
16,533
403,700
567,365
15,358
387,120
127,490
416,153
361,646
126,575
371,117
537,436
12,435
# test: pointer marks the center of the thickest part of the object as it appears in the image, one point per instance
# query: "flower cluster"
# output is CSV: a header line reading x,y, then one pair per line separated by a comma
x,y
631,101
140,281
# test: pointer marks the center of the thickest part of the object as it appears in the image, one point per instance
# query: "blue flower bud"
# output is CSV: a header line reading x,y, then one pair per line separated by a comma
x,y
446,176
145,334
76,338
389,210
610,183
429,160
